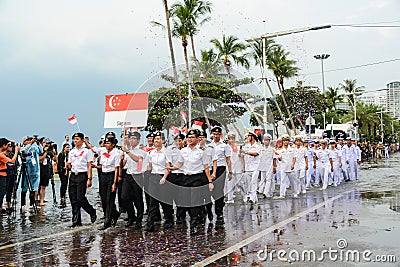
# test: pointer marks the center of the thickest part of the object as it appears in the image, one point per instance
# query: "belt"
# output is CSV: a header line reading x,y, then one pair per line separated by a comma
x,y
191,174
78,173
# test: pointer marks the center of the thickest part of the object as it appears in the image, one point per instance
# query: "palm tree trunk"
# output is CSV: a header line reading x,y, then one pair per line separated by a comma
x,y
184,44
286,105
193,50
171,47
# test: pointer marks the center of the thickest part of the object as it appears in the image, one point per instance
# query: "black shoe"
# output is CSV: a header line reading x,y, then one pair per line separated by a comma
x,y
220,217
138,226
179,221
3,212
93,217
157,219
115,219
75,225
149,228
194,230
168,225
126,219
130,223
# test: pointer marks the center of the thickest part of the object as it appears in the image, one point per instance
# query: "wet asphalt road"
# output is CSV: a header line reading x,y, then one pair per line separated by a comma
x,y
365,214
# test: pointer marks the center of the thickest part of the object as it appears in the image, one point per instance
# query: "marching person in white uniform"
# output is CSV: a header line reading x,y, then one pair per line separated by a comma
x,y
301,166
287,157
336,156
323,159
266,166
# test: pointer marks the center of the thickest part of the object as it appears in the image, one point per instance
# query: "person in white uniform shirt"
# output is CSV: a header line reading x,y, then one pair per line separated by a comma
x,y
210,154
133,159
344,176
325,165
301,166
356,159
337,162
308,145
223,153
158,194
287,158
236,170
194,164
109,161
80,163
266,167
176,177
251,154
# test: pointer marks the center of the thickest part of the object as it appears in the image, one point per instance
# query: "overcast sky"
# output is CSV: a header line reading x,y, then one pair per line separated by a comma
x,y
62,57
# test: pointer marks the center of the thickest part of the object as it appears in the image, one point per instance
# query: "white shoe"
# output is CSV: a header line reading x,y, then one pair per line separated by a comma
x,y
229,202
280,197
295,195
304,191
23,208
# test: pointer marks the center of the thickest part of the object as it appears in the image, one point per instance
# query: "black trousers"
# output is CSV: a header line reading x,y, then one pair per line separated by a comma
x,y
218,192
145,186
178,179
64,183
119,191
196,196
77,197
133,192
155,200
10,182
108,197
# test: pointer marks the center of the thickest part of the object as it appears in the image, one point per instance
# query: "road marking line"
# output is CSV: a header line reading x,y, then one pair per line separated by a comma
x,y
264,232
75,230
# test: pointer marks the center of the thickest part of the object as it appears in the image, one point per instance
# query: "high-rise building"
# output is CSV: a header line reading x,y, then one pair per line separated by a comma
x,y
393,99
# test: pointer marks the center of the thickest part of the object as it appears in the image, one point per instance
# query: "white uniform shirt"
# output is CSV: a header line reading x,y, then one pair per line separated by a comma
x,y
301,154
131,165
323,156
210,155
222,151
250,162
110,160
335,154
79,159
287,155
158,161
267,156
193,160
343,151
172,153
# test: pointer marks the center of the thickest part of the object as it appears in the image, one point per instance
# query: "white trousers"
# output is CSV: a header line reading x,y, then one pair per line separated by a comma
x,y
287,176
266,182
323,171
301,181
230,186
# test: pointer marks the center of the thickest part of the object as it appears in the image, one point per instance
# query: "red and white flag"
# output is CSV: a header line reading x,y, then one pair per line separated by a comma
x,y
197,125
72,119
184,116
126,110
174,130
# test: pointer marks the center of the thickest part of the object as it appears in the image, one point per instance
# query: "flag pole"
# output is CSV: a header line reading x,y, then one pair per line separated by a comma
x,y
77,125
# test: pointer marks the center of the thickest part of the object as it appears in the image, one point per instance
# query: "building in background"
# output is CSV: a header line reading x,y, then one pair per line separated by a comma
x,y
393,99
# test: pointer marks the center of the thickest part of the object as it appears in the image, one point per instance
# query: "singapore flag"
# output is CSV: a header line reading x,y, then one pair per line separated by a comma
x,y
126,110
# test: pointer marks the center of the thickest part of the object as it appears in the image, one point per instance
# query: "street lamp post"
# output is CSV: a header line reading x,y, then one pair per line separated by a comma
x,y
322,57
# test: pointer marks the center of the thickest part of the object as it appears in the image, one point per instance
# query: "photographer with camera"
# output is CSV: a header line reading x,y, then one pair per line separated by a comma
x,y
29,153
4,146
46,167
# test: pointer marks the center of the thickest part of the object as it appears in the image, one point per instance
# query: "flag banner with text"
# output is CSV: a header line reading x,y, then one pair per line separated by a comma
x,y
126,110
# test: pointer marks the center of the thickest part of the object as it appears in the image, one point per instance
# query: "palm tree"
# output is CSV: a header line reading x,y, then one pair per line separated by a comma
x,y
350,87
196,16
332,95
230,49
257,54
209,66
182,28
283,68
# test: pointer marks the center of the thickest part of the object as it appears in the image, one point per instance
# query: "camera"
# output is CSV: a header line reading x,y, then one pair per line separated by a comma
x,y
24,154
50,149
